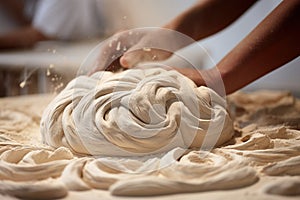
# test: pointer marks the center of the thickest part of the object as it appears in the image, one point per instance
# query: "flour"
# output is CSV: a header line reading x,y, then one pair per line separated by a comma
x,y
261,161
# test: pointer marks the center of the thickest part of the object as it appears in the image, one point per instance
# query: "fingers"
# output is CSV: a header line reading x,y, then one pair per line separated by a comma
x,y
131,58
109,52
132,47
114,66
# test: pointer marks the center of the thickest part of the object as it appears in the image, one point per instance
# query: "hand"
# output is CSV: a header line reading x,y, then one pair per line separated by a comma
x,y
128,48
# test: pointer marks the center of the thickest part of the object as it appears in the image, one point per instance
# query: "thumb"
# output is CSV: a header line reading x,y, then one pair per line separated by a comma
x,y
129,60
132,58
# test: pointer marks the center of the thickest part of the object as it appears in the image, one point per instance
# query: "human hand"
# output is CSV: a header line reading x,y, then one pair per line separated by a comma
x,y
128,48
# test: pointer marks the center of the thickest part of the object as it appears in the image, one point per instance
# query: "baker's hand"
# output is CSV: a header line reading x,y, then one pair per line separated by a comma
x,y
128,48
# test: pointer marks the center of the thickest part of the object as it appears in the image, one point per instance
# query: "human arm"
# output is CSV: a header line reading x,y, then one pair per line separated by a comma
x,y
26,35
15,9
203,19
274,42
208,17
23,37
52,19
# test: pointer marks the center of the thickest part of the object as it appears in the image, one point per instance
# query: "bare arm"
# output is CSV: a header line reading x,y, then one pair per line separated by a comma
x,y
23,37
203,19
274,42
15,9
208,17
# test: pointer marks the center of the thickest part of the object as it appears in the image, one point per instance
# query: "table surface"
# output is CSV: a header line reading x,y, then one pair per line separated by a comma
x,y
62,55
31,107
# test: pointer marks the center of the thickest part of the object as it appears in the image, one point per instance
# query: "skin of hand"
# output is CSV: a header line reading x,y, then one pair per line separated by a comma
x,y
128,48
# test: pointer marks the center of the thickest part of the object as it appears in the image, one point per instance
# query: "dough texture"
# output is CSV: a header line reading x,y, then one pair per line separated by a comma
x,y
135,113
261,161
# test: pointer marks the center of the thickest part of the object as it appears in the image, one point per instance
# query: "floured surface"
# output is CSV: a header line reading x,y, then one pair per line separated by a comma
x,y
263,158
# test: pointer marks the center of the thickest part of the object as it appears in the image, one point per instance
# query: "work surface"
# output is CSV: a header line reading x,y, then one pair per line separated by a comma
x,y
267,141
46,60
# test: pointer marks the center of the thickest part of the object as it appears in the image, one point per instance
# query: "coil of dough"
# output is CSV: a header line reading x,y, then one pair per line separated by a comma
x,y
134,113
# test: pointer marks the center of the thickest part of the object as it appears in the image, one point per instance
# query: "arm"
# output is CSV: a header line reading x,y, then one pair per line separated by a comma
x,y
23,37
202,20
15,9
274,42
208,17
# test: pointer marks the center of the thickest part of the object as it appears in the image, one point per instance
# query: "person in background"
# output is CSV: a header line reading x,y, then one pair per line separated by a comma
x,y
40,20
274,42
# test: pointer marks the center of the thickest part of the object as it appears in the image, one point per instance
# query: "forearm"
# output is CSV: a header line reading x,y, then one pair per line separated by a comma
x,y
208,17
24,37
16,9
274,42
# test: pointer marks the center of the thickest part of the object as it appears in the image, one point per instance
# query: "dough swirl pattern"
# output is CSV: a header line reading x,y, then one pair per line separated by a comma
x,y
135,113
262,161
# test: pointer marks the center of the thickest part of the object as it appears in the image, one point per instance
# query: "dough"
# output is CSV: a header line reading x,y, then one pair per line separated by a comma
x,y
135,113
261,162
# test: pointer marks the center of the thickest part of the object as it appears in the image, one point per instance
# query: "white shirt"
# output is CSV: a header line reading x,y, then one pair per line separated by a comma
x,y
65,19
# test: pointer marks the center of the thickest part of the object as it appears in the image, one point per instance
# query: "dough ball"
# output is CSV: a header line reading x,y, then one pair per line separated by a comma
x,y
135,113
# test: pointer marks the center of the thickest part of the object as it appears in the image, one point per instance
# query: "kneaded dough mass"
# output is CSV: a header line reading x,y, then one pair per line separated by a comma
x,y
262,161
134,113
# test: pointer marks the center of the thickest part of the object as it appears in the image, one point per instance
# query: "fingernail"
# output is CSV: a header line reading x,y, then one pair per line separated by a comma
x,y
124,62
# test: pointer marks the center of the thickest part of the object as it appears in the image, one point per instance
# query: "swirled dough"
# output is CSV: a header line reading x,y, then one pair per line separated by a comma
x,y
286,186
263,158
135,113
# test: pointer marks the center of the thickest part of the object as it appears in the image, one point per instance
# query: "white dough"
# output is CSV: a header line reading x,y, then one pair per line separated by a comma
x,y
135,113
261,162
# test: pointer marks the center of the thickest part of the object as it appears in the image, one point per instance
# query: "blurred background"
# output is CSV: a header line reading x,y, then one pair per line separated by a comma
x,y
47,65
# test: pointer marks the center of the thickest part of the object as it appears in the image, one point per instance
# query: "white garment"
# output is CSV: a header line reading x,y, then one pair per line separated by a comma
x,y
65,19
